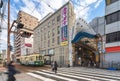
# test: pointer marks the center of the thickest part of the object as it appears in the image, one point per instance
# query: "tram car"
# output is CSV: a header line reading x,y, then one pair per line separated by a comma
x,y
32,60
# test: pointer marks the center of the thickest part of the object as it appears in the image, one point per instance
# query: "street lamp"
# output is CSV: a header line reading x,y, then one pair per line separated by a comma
x,y
9,31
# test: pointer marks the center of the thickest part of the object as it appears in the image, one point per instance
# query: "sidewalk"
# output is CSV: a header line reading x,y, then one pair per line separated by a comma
x,y
2,68
19,77
25,77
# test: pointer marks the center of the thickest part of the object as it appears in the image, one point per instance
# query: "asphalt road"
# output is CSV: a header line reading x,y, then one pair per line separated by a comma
x,y
23,68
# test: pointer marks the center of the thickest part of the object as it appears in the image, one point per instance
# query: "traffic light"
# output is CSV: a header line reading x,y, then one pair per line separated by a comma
x,y
20,25
1,4
11,48
26,34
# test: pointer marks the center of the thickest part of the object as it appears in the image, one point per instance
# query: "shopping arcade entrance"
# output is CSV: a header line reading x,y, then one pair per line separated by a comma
x,y
84,50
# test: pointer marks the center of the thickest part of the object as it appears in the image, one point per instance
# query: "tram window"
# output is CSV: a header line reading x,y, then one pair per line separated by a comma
x,y
40,57
37,58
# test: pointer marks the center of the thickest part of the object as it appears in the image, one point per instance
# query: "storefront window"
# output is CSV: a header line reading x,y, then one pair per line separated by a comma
x,y
51,51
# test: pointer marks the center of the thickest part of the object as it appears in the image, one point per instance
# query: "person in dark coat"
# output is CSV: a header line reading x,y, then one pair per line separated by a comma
x,y
55,66
12,71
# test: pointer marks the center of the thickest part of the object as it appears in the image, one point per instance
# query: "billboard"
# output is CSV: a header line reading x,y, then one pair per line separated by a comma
x,y
64,26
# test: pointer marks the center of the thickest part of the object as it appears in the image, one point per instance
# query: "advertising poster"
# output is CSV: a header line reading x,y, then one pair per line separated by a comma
x,y
64,26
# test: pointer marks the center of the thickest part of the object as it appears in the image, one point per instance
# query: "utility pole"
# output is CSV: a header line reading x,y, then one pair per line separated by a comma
x,y
8,37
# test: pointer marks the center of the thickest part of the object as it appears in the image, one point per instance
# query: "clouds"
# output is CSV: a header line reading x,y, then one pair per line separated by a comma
x,y
83,8
98,3
40,8
16,1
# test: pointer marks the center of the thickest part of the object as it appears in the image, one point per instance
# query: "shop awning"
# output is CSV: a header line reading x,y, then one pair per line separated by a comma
x,y
81,35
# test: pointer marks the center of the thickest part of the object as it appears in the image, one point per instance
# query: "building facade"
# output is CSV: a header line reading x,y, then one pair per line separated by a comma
x,y
98,25
51,36
23,45
112,31
27,46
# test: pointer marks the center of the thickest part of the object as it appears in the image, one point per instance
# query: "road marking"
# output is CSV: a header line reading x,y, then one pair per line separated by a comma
x,y
90,73
73,76
57,76
94,70
40,77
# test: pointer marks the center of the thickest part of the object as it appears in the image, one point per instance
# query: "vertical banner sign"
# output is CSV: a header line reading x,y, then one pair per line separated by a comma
x,y
64,26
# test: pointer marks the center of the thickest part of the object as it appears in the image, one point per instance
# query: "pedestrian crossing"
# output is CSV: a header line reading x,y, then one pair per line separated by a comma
x,y
76,74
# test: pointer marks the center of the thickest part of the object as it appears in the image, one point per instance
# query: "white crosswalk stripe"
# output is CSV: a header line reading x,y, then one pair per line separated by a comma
x,y
57,76
76,74
40,77
73,76
86,73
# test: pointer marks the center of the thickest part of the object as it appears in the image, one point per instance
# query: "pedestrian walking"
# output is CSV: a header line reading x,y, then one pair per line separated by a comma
x,y
55,65
11,71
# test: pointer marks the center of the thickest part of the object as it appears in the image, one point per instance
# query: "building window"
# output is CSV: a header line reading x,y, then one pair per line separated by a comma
x,y
58,18
113,37
119,16
44,36
53,32
108,2
44,28
41,38
53,21
49,24
43,52
53,40
41,29
48,34
58,40
112,17
119,36
44,44
58,30
48,43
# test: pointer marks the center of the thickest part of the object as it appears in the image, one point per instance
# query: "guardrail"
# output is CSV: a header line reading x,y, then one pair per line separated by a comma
x,y
112,65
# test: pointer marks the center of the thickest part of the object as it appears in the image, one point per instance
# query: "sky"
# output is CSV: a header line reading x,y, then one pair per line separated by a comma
x,y
86,9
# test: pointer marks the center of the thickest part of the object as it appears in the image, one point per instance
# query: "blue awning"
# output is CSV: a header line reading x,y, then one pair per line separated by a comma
x,y
81,35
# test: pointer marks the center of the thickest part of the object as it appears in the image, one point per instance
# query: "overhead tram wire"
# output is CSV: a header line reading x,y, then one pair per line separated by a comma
x,y
38,5
35,8
48,5
84,9
3,14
